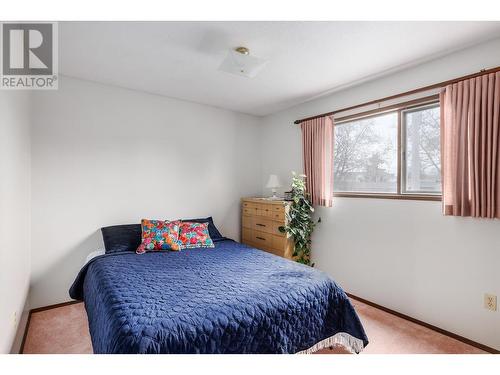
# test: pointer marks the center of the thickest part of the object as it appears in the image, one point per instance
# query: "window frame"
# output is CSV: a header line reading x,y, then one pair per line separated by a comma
x,y
400,109
404,153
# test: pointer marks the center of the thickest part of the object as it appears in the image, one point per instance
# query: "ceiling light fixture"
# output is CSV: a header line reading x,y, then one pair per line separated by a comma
x,y
238,61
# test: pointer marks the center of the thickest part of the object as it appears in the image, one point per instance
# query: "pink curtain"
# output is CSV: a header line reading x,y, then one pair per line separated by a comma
x,y
470,126
317,146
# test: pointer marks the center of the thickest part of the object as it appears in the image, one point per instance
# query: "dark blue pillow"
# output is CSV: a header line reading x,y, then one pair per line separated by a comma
x,y
125,237
212,229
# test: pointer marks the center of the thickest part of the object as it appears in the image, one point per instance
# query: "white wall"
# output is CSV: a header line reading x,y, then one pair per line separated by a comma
x,y
401,254
104,155
14,212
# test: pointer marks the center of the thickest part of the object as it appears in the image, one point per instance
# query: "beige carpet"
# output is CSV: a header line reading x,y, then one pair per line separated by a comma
x,y
65,330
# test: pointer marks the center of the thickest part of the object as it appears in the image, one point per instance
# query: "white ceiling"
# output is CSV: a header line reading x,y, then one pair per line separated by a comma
x,y
306,59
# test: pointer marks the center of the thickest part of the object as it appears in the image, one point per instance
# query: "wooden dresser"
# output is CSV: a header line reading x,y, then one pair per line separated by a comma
x,y
260,221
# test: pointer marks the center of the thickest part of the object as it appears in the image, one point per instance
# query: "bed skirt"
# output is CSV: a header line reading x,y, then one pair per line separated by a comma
x,y
351,343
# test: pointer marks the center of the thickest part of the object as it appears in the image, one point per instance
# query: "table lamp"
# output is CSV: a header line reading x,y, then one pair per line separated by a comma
x,y
273,183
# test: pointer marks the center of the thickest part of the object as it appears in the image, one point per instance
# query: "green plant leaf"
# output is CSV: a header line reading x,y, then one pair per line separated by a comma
x,y
300,224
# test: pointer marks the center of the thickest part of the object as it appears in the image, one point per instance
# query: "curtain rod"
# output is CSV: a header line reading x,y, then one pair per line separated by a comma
x,y
415,91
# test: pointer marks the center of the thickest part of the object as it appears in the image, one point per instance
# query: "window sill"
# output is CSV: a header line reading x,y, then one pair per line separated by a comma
x,y
416,197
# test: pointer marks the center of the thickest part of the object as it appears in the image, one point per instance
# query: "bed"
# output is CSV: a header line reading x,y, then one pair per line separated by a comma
x,y
227,299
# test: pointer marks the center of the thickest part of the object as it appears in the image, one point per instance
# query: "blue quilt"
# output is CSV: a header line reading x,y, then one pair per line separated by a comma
x,y
229,299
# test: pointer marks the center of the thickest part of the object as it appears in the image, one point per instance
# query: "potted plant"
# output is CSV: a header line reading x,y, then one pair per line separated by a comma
x,y
300,224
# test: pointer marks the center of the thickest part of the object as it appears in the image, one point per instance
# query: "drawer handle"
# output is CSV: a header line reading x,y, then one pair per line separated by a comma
x,y
260,225
260,238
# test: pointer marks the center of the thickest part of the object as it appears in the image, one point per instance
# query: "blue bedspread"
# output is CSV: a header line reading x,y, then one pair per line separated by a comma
x,y
230,299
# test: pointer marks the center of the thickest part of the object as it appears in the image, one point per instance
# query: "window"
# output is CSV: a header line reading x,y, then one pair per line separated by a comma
x,y
390,153
421,151
366,155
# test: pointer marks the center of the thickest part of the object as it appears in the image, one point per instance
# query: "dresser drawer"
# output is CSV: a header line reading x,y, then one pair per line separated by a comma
x,y
270,210
276,251
248,211
247,235
251,209
267,225
259,210
278,208
275,228
278,215
263,224
279,242
266,210
262,239
247,221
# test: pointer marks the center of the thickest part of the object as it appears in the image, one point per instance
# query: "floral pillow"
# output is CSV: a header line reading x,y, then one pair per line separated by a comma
x,y
193,234
159,235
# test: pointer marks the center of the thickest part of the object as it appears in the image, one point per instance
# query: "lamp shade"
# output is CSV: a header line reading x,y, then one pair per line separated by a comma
x,y
242,64
273,182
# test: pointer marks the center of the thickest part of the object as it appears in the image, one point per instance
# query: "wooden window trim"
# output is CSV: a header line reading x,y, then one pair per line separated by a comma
x,y
399,109
415,197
